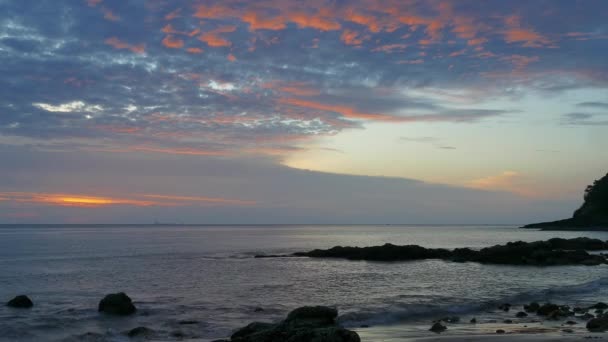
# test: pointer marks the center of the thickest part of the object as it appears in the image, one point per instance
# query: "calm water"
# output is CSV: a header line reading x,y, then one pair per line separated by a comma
x,y
208,274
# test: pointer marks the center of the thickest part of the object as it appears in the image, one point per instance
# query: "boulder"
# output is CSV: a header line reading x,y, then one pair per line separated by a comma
x,y
532,307
473,320
598,324
521,314
500,331
546,309
141,332
504,307
310,323
438,327
22,302
600,306
117,304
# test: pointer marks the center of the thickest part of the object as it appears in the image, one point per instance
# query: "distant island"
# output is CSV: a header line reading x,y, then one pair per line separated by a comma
x,y
592,215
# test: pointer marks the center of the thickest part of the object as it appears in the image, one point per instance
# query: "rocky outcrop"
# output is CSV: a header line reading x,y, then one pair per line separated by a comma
x,y
598,324
117,304
592,215
540,253
21,302
305,324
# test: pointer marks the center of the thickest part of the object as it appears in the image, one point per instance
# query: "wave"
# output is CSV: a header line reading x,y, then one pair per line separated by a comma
x,y
403,312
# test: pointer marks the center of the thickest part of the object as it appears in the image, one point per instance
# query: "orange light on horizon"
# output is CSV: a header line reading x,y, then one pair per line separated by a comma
x,y
142,200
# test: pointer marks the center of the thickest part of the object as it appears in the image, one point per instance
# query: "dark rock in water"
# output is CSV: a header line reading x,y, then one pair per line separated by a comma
x,y
141,332
598,324
508,321
557,314
187,322
599,311
313,315
177,334
579,310
504,307
22,302
117,304
571,322
521,314
540,253
600,305
500,331
258,309
473,320
438,327
592,215
569,331
546,309
587,316
532,307
310,323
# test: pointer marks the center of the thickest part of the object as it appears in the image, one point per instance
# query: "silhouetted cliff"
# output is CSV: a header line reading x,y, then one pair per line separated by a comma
x,y
592,215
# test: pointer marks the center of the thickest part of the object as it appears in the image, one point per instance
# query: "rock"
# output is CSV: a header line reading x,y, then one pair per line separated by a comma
x,y
599,311
258,309
21,302
571,322
117,304
310,323
504,307
546,309
177,334
508,321
600,305
141,332
313,315
473,320
557,314
521,314
187,322
569,331
552,252
438,327
587,316
500,331
532,307
598,324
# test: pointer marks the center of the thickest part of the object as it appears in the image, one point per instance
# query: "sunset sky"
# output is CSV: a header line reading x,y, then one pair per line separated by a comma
x,y
300,111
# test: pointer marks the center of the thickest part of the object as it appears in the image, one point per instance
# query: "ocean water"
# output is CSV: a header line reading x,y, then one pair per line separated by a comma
x,y
207,275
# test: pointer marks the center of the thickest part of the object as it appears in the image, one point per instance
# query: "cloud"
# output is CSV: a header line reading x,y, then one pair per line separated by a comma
x,y
510,181
592,104
118,44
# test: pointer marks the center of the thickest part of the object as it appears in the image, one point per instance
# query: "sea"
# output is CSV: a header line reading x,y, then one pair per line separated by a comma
x,y
200,283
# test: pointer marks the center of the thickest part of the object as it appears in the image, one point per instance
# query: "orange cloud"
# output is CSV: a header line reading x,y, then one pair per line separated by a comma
x,y
390,48
231,57
323,21
197,199
118,44
194,50
345,111
350,37
172,42
368,21
173,14
93,3
516,34
108,15
214,40
256,22
509,181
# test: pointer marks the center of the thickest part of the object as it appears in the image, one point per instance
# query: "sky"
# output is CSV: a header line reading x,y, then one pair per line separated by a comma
x,y
363,111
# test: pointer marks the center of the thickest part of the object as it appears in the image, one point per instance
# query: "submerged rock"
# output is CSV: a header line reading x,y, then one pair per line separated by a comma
x,y
532,307
521,314
546,309
598,324
22,302
500,331
117,304
309,323
141,332
473,320
438,327
504,307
